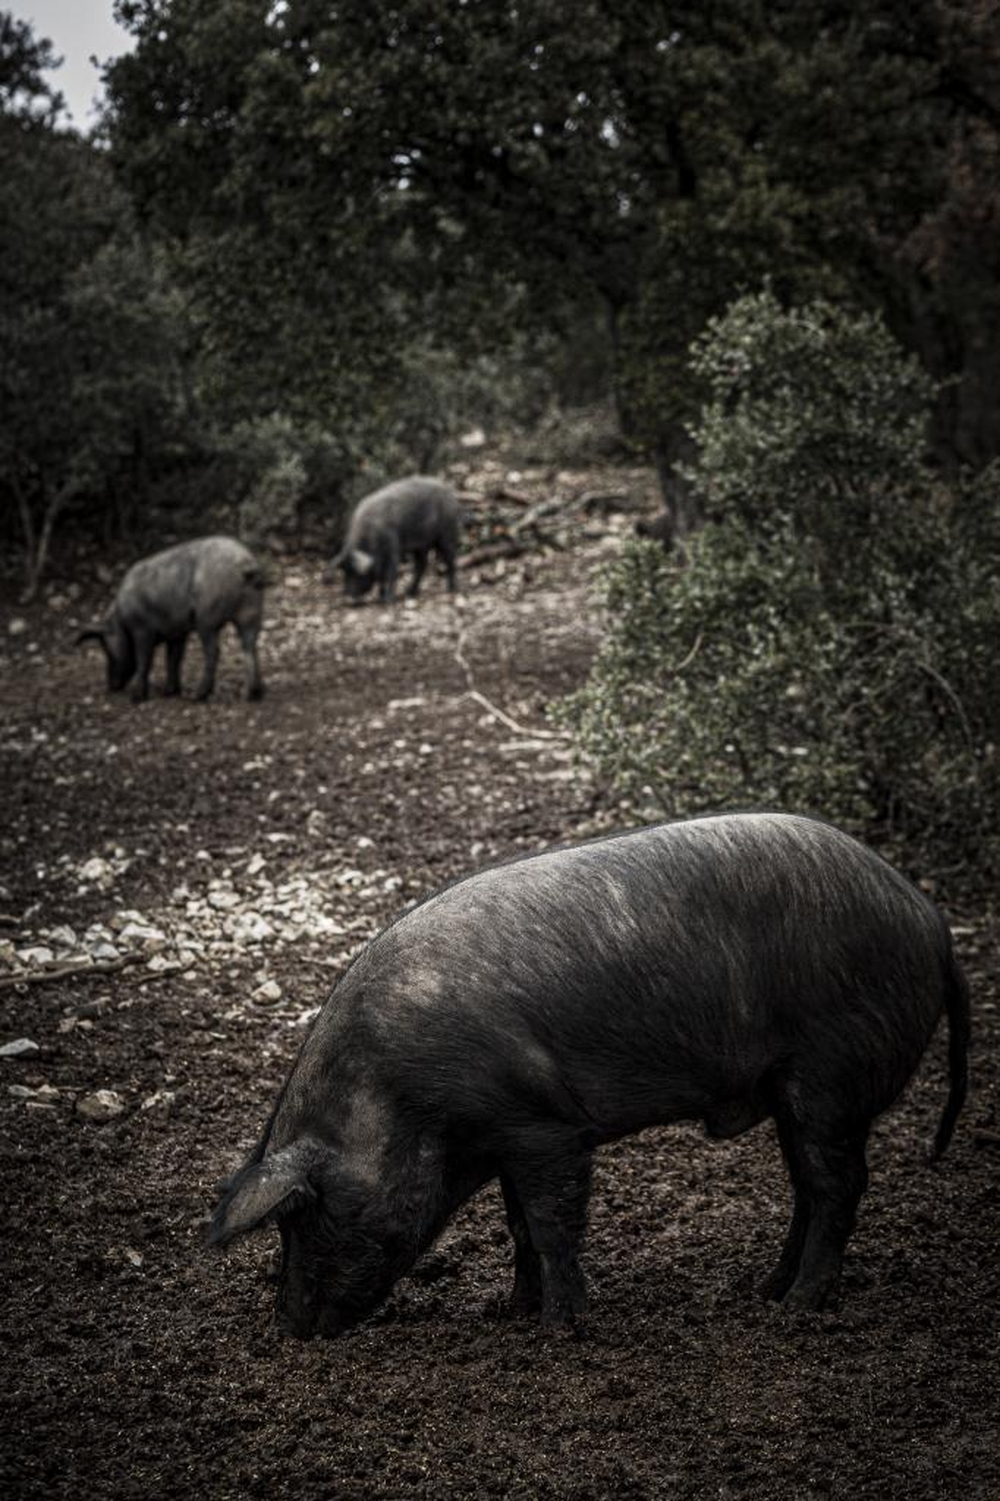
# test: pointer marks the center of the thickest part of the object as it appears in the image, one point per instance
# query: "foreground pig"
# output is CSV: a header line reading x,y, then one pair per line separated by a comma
x,y
196,586
724,969
403,520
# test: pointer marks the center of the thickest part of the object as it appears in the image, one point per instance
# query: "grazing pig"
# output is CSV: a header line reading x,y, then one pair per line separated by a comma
x,y
195,586
723,969
402,520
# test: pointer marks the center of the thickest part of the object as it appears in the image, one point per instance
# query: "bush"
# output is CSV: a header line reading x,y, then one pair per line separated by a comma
x,y
826,644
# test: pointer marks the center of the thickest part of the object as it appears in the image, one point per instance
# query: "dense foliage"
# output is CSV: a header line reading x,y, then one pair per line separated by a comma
x,y
90,330
828,642
357,174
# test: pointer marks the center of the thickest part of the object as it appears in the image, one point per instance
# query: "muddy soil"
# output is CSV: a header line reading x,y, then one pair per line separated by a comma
x,y
271,839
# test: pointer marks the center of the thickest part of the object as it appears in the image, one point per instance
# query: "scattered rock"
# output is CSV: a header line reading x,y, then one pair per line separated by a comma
x,y
223,898
250,927
124,918
21,1047
17,626
62,937
37,957
163,1099
102,1105
161,964
96,872
41,1094
142,936
268,993
103,952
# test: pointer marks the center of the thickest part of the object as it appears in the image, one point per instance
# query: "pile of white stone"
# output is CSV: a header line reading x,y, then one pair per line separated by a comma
x,y
246,913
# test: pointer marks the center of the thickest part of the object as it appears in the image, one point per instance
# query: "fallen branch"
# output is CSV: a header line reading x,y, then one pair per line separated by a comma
x,y
604,500
473,692
517,497
82,972
491,551
545,510
511,545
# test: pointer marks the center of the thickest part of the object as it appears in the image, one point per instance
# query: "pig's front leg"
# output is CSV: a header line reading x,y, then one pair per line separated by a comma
x,y
387,589
145,644
548,1173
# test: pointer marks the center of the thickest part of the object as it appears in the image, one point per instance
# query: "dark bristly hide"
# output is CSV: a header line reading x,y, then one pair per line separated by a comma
x,y
724,969
407,519
198,586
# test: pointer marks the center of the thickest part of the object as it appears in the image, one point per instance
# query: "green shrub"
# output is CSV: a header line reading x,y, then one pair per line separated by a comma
x,y
828,643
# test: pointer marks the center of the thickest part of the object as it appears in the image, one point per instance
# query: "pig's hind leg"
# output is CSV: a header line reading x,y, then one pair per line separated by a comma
x,y
210,646
248,641
548,1175
829,1173
419,564
777,1284
175,656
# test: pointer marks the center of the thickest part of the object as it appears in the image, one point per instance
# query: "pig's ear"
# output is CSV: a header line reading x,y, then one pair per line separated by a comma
x,y
362,562
263,1188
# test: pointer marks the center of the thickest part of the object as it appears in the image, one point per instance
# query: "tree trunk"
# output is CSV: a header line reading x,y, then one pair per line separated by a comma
x,y
39,556
28,529
675,448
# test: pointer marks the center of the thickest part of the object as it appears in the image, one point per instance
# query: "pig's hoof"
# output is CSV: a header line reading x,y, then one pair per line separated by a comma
x,y
804,1300
203,695
256,693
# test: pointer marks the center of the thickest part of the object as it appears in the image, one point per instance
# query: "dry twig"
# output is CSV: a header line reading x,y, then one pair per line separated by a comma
x,y
84,972
473,692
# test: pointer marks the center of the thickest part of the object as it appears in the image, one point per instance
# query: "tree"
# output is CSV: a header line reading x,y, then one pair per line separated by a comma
x,y
354,173
24,92
828,645
88,326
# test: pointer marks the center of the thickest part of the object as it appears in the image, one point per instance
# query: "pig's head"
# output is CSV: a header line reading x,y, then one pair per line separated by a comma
x,y
118,649
358,568
344,1239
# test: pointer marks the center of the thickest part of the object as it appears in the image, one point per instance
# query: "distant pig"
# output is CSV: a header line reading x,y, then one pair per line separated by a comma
x,y
403,520
723,969
196,586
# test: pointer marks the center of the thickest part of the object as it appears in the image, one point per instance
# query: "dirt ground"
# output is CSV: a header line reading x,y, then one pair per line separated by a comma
x,y
252,847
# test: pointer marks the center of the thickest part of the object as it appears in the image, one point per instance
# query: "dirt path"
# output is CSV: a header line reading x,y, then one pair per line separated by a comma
x,y
255,846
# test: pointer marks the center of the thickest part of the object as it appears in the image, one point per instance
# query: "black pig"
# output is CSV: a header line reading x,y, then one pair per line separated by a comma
x,y
725,969
403,520
195,586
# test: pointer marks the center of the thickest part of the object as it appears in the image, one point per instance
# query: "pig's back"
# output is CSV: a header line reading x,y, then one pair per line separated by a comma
x,y
750,910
